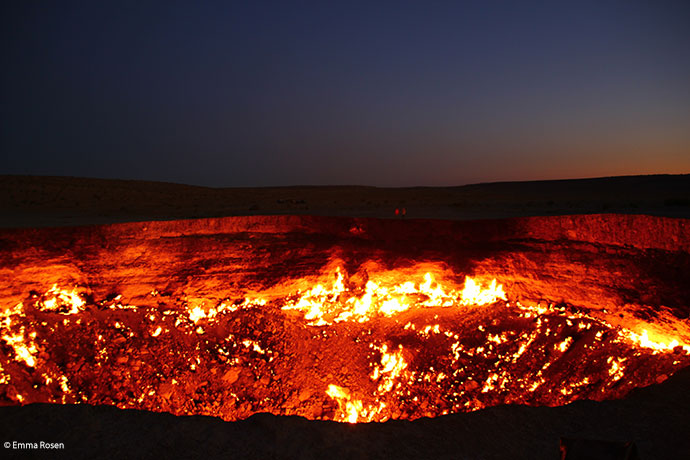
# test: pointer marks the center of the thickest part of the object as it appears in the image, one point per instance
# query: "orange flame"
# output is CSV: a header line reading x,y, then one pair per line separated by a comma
x,y
324,306
350,408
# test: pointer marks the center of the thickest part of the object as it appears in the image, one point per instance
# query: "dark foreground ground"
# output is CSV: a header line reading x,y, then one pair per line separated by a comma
x,y
655,418
27,201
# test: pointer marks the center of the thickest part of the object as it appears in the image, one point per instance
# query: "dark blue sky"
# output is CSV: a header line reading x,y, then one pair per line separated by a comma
x,y
390,94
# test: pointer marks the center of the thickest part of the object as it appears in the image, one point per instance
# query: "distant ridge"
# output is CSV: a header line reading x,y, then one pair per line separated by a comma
x,y
51,178
56,201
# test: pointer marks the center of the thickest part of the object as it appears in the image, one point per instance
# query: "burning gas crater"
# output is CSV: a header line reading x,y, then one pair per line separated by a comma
x,y
378,344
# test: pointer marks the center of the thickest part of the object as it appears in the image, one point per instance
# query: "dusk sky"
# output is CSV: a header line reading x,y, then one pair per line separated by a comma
x,y
261,93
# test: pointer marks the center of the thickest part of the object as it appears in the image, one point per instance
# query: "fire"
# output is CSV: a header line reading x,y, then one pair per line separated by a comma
x,y
196,313
617,369
473,294
644,341
382,296
367,346
62,301
24,349
350,408
392,365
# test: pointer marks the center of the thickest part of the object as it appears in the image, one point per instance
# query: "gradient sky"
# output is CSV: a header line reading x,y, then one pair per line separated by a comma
x,y
263,93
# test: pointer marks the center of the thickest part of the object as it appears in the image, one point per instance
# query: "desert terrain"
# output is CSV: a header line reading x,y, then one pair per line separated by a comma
x,y
27,201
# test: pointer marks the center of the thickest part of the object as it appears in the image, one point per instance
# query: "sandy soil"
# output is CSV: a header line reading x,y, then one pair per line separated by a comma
x,y
28,201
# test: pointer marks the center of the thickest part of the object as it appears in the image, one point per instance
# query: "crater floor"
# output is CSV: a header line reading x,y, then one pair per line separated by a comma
x,y
342,319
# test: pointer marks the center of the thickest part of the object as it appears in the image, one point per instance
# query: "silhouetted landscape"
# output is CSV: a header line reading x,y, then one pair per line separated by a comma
x,y
53,201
